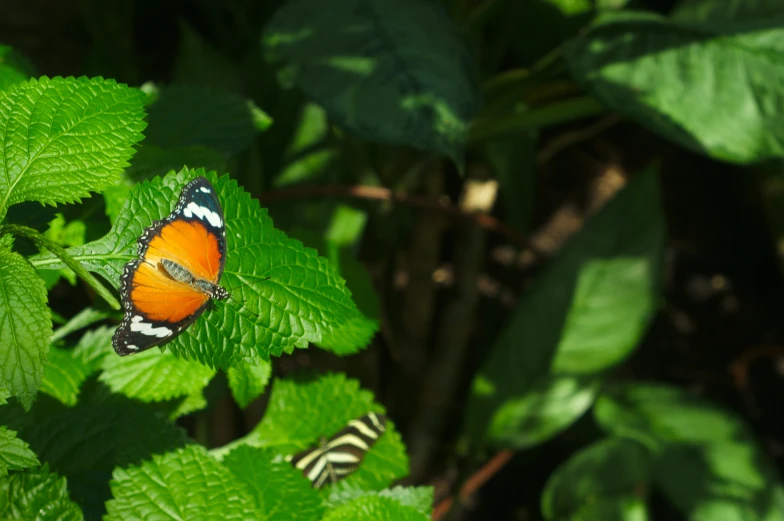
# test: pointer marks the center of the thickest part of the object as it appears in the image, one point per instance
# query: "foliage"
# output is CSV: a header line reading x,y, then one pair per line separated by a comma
x,y
355,125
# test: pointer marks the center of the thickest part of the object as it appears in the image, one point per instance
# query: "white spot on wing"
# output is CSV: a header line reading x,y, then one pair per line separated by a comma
x,y
203,213
132,347
204,189
138,326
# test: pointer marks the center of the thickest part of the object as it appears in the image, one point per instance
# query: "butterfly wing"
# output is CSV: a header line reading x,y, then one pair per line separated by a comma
x,y
157,307
341,454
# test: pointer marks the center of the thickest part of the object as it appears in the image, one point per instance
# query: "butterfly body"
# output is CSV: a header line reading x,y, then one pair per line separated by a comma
x,y
181,260
336,457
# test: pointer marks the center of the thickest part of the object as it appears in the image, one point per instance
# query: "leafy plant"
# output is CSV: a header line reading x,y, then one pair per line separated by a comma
x,y
412,197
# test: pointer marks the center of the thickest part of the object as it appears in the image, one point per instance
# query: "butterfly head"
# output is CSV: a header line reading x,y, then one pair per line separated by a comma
x,y
220,293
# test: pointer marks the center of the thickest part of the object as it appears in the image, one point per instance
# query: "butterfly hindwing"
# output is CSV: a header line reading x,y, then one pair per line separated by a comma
x,y
337,457
157,307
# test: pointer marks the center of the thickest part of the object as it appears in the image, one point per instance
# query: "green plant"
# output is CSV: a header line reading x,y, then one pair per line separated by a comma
x,y
350,124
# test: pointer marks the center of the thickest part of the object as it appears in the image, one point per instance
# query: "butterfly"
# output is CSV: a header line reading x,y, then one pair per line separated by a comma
x,y
181,260
337,457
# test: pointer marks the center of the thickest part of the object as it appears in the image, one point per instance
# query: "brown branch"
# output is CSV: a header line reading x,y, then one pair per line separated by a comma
x,y
378,193
739,369
474,483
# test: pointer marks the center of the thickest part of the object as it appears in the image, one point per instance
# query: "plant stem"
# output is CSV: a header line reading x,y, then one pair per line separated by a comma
x,y
59,251
553,114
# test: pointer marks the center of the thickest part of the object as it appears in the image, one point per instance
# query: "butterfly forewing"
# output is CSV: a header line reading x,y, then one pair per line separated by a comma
x,y
340,455
157,307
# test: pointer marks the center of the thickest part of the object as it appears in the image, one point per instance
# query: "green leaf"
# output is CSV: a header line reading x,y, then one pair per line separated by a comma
x,y
65,138
153,376
513,159
64,375
310,151
419,498
545,368
281,492
15,454
152,161
390,71
643,65
25,327
283,295
374,508
185,484
86,317
14,67
94,346
300,412
189,116
37,495
198,63
4,395
247,381
114,198
709,463
613,473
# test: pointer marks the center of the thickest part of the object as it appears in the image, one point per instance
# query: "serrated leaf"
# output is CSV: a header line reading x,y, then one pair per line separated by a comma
x,y
15,454
184,484
546,367
419,498
709,465
86,317
283,295
94,346
64,375
642,65
185,116
300,412
615,472
374,508
37,495
14,67
4,395
247,381
153,376
391,71
280,490
25,327
65,138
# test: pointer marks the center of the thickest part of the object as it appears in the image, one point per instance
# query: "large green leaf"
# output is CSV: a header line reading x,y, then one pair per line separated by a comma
x,y
283,295
606,481
25,327
64,138
184,484
709,78
185,116
248,381
64,375
37,495
584,313
300,412
389,70
709,463
419,498
281,492
15,454
14,68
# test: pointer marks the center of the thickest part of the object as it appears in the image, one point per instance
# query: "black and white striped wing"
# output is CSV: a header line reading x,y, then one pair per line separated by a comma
x,y
337,457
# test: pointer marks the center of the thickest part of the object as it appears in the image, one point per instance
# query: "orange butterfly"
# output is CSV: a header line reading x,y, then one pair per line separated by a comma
x,y
180,264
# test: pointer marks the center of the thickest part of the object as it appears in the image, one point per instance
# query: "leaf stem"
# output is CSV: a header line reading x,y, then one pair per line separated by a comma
x,y
552,114
59,251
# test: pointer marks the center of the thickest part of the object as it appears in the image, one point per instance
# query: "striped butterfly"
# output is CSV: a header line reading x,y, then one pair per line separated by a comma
x,y
335,458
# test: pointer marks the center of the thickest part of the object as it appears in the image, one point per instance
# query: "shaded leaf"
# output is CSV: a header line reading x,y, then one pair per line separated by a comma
x,y
25,327
65,138
94,346
14,67
152,161
283,295
15,454
690,78
185,116
64,375
184,484
37,495
613,473
247,381
82,319
281,492
390,71
545,368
